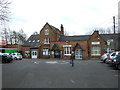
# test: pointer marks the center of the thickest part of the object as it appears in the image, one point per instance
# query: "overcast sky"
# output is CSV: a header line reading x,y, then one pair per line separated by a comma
x,y
77,16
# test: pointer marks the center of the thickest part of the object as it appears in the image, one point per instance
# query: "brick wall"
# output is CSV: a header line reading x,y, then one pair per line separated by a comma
x,y
53,36
26,49
95,37
83,45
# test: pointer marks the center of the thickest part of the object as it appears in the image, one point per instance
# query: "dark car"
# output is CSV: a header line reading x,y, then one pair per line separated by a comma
x,y
6,58
116,62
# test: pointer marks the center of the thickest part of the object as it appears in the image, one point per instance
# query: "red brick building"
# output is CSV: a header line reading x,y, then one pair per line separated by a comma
x,y
52,43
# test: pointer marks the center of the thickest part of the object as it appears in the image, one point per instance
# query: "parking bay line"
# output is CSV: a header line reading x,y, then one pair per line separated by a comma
x,y
72,81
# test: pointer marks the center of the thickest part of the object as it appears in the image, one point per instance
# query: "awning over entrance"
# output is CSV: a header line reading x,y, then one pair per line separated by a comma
x,y
77,45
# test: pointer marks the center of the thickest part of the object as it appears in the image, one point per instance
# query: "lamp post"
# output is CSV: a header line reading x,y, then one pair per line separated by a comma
x,y
108,44
114,33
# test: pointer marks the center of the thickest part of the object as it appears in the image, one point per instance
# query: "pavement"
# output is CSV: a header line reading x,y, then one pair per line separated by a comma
x,y
46,73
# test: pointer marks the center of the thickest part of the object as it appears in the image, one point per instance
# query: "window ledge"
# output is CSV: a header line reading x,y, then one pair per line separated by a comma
x,y
46,43
67,54
95,54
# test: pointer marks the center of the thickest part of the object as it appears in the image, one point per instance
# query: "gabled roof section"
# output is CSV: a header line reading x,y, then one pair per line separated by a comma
x,y
74,38
52,27
33,41
76,45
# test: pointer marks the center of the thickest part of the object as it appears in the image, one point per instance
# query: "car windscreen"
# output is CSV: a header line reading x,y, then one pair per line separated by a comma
x,y
18,54
113,54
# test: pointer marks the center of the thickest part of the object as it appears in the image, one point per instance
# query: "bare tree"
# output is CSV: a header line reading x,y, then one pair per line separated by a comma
x,y
10,37
34,33
15,37
4,10
101,31
66,33
5,33
4,17
22,36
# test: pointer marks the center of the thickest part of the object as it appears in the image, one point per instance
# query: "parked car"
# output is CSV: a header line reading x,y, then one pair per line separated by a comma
x,y
5,58
111,56
16,56
116,62
104,57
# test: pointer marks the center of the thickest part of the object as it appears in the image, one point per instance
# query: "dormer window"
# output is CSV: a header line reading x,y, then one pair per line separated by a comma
x,y
46,32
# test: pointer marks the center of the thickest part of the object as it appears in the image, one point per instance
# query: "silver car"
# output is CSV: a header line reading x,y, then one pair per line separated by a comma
x,y
104,57
111,56
16,56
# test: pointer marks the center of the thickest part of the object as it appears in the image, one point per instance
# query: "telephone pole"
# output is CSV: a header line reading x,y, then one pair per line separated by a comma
x,y
114,36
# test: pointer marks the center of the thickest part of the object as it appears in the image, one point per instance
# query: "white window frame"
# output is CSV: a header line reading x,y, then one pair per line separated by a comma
x,y
45,51
46,32
95,43
95,49
47,41
67,50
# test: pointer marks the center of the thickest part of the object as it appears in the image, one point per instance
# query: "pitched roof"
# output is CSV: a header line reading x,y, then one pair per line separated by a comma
x,y
54,28
74,38
76,45
107,36
33,41
85,37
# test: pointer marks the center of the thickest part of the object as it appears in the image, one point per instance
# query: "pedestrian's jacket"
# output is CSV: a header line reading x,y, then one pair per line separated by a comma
x,y
72,56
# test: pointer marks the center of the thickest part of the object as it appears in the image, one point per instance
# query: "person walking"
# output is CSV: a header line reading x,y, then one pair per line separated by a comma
x,y
72,58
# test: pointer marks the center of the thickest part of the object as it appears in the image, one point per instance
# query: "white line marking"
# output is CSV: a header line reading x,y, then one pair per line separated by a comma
x,y
51,62
36,62
72,81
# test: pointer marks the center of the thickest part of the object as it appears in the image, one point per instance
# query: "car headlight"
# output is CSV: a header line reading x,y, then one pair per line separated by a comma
x,y
114,60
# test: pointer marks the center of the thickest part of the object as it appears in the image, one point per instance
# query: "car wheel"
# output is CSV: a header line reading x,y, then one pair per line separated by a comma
x,y
15,58
3,61
8,61
104,61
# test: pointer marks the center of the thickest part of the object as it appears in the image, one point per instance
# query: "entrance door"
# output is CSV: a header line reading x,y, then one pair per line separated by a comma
x,y
78,54
34,54
57,53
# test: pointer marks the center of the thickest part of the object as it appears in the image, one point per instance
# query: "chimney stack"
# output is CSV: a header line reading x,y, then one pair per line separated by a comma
x,y
62,29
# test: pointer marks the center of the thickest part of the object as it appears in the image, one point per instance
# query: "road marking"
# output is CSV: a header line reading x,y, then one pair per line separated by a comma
x,y
51,62
63,62
36,62
72,81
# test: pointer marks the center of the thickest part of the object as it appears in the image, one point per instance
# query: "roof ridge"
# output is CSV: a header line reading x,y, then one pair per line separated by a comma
x,y
54,27
78,35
